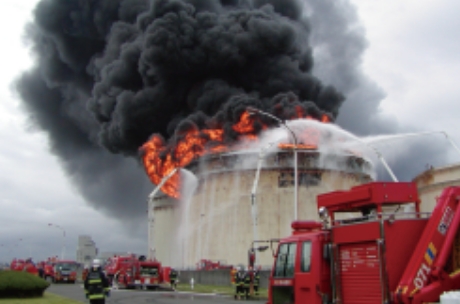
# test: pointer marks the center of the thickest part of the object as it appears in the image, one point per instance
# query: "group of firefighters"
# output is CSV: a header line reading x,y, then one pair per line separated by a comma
x,y
243,278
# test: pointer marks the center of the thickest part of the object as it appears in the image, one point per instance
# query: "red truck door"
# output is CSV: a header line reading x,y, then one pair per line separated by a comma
x,y
307,278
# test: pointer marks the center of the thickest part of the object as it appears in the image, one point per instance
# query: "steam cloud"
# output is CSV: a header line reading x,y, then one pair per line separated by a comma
x,y
110,73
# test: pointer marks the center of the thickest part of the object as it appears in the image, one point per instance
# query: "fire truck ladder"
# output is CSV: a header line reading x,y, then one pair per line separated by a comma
x,y
426,277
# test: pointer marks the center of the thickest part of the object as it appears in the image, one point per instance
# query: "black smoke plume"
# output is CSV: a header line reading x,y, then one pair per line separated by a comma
x,y
110,73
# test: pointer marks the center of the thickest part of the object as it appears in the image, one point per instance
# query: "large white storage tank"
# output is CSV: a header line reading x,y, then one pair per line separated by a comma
x,y
216,222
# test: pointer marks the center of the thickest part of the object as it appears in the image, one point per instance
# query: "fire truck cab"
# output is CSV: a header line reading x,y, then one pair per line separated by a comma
x,y
382,256
133,272
64,271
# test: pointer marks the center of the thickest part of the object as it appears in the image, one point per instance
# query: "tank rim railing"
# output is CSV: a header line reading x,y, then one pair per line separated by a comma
x,y
240,165
384,216
284,167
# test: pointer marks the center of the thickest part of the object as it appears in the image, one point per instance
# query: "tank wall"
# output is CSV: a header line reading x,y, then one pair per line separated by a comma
x,y
217,222
220,216
432,182
163,237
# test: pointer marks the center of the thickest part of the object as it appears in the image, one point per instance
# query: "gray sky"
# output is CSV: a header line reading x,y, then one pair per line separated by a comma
x,y
409,72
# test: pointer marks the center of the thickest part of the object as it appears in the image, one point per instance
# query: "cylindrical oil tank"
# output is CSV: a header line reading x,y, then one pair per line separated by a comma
x,y
432,181
225,217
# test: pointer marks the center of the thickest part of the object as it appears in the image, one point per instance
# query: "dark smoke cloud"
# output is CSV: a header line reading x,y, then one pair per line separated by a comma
x,y
110,73
184,57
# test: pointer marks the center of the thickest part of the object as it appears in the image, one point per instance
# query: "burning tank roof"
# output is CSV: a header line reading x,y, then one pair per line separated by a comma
x,y
278,159
247,160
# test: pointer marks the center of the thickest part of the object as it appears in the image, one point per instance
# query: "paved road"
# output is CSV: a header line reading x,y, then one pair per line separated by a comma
x,y
75,291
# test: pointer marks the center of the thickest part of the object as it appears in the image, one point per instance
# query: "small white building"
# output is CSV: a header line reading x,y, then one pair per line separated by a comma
x,y
86,250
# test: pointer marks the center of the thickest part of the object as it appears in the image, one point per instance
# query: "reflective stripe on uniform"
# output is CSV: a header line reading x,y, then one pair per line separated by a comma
x,y
96,296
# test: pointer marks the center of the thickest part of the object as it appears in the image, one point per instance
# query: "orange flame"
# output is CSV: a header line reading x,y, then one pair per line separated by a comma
x,y
191,146
159,159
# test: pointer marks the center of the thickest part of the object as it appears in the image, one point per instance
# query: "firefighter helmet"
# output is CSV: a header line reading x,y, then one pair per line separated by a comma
x,y
96,263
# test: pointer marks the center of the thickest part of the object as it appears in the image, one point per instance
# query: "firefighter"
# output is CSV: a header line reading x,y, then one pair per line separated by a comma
x,y
246,283
233,275
256,281
239,283
41,271
96,284
173,278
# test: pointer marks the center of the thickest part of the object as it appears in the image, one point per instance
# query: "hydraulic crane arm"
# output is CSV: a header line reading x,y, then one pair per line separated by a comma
x,y
424,278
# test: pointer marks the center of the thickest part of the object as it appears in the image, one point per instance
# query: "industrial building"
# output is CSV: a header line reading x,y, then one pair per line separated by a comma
x,y
432,181
86,250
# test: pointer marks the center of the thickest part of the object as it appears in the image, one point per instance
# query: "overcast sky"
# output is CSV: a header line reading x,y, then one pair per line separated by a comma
x,y
411,58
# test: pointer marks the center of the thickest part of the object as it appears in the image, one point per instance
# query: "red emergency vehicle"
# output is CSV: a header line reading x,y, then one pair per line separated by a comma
x,y
205,264
133,272
48,270
24,265
62,271
382,256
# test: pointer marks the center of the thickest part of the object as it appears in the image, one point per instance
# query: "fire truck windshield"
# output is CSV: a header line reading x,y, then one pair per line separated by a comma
x,y
284,265
66,266
148,271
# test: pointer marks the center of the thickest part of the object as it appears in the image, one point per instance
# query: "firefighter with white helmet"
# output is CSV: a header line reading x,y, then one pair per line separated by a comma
x,y
256,280
96,284
246,283
239,283
173,275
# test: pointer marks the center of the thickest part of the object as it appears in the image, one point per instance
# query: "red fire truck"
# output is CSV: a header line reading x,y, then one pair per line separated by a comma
x,y
382,256
205,264
64,271
48,270
24,265
133,272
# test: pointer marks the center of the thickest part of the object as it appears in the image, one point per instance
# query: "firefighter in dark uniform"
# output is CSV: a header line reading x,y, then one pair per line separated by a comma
x,y
239,284
173,278
256,281
96,284
246,283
